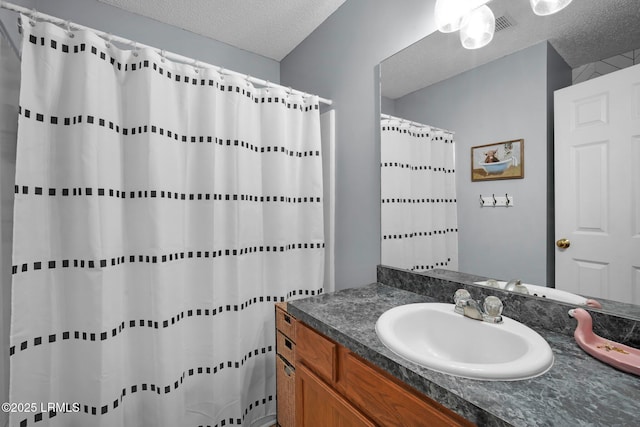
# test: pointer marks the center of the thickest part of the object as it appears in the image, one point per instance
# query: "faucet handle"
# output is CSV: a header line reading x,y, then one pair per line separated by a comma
x,y
460,295
493,307
459,298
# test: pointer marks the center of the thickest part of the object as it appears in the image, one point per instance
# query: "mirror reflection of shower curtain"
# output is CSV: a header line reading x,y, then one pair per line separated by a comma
x,y
160,211
419,224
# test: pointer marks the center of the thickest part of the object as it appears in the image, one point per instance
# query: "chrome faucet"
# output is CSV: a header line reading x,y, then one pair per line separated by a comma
x,y
471,308
490,311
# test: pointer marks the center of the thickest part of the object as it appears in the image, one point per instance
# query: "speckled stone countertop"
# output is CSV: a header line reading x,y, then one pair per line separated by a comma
x,y
577,391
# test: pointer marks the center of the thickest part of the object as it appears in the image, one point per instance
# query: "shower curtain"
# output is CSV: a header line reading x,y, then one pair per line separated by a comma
x,y
9,92
160,211
418,216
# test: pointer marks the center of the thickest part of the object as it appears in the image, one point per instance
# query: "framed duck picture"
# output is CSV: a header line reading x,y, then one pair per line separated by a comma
x,y
501,160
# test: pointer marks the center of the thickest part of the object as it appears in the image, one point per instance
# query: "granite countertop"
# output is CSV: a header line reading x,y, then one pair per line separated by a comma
x,y
577,391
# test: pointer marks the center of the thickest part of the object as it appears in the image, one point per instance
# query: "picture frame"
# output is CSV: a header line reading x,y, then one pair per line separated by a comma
x,y
500,160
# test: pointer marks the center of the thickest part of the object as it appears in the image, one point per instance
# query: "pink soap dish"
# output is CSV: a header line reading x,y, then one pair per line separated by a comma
x,y
618,355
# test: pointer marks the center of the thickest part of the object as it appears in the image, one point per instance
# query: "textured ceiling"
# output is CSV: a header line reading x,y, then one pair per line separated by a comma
x,y
584,32
271,28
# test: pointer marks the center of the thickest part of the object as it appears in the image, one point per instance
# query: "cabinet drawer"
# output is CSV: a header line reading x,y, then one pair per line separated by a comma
x,y
317,352
285,347
286,392
285,323
389,403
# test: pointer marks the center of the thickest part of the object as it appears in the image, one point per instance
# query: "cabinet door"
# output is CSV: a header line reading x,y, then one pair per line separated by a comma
x,y
318,405
390,403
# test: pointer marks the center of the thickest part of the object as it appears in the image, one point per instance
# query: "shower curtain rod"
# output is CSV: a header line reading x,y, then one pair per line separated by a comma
x,y
387,116
33,14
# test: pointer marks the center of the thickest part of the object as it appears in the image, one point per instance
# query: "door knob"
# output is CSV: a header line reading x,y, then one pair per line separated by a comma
x,y
563,243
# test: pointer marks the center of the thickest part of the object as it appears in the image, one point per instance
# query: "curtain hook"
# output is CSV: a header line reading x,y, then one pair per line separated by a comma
x,y
289,91
69,30
108,40
135,49
221,71
196,66
268,85
19,24
495,202
33,17
247,78
506,197
163,54
481,201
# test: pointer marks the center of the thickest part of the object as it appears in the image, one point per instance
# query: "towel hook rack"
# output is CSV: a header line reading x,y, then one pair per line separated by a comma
x,y
496,201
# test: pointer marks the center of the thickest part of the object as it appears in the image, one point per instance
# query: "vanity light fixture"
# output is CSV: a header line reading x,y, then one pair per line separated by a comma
x,y
450,15
476,21
478,29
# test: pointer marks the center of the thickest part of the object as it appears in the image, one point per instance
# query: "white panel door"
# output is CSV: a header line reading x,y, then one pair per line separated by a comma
x,y
597,186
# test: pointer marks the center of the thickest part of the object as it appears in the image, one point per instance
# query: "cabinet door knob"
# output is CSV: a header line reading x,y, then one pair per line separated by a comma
x,y
563,243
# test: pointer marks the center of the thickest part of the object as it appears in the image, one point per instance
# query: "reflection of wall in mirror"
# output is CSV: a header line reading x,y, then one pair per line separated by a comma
x,y
506,99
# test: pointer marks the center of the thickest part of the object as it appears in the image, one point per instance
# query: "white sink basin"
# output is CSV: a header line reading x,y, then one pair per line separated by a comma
x,y
434,336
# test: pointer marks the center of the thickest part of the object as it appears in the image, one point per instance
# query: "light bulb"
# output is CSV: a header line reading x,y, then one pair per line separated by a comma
x,y
478,28
450,15
548,7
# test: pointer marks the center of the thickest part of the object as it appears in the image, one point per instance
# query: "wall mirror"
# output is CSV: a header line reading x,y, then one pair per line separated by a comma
x,y
504,92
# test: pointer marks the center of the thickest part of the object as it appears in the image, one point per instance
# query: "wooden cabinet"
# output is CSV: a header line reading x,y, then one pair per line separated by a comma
x,y
388,401
319,405
335,387
318,353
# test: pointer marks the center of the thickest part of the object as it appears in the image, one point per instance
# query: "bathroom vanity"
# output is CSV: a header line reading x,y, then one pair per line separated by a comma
x,y
334,386
344,372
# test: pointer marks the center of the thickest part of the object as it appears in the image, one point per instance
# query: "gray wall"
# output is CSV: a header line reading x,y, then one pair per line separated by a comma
x,y
340,61
100,16
504,100
387,106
